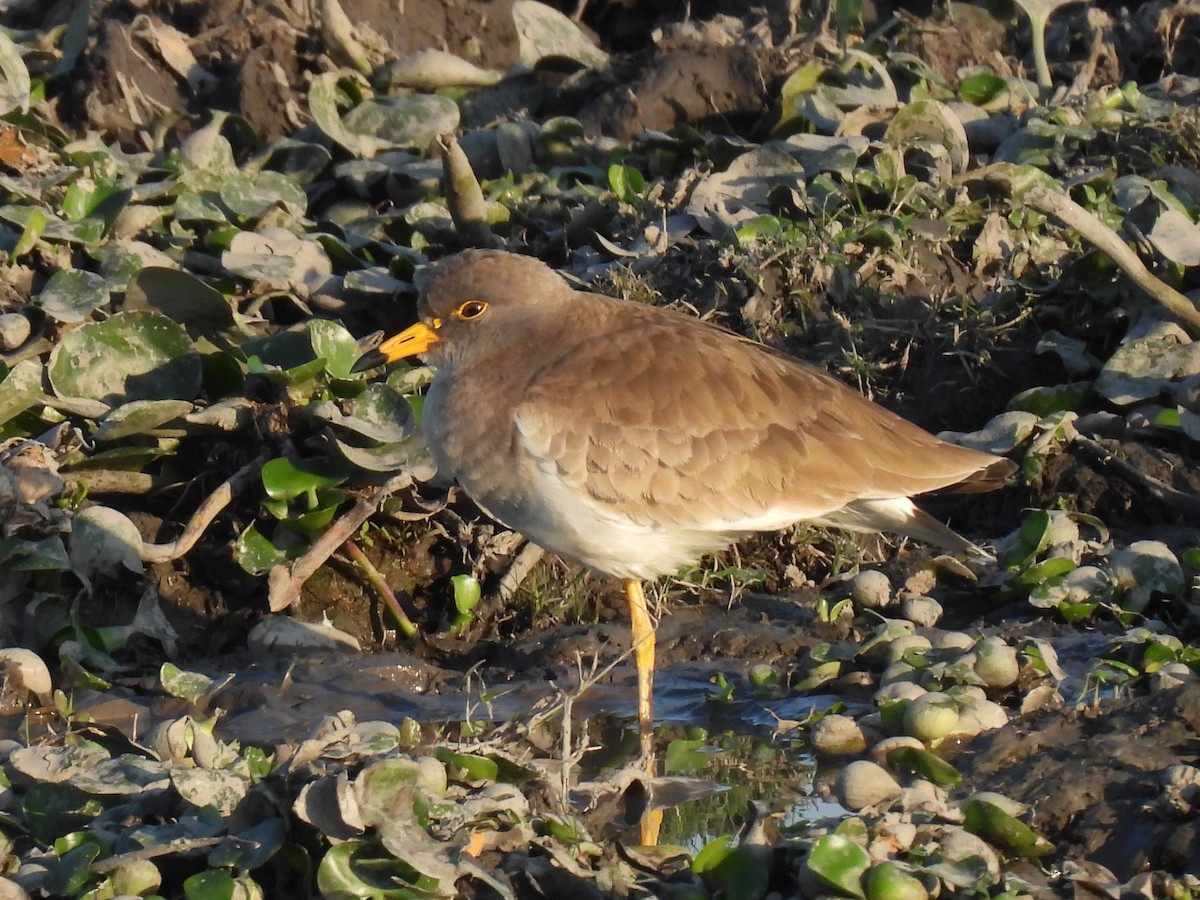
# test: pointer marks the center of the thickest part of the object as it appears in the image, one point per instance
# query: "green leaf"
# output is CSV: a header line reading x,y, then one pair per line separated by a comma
x,y
130,356
72,295
926,764
215,884
181,296
840,863
284,479
1014,837
981,88
730,871
334,344
35,225
190,686
15,86
626,182
468,767
351,870
255,553
140,417
683,757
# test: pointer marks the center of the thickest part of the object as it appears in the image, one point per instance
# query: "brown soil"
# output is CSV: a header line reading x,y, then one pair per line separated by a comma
x,y
1089,774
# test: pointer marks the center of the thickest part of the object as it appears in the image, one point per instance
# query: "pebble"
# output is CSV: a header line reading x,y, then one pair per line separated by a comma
x,y
996,663
864,783
838,735
924,612
931,717
870,589
14,331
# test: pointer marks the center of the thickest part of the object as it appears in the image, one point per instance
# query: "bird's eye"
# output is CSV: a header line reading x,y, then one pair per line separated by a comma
x,y
472,309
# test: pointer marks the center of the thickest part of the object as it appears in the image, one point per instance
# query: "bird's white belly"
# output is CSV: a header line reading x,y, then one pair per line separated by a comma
x,y
557,516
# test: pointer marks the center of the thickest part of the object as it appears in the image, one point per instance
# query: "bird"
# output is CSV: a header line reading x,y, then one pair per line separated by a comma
x,y
635,439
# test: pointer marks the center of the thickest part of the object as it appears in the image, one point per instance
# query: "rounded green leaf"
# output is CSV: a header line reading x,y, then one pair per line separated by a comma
x,y
180,295
131,356
285,479
72,295
731,871
15,85
840,863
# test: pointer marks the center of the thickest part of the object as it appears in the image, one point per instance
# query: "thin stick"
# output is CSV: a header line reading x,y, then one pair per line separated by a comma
x,y
379,583
205,513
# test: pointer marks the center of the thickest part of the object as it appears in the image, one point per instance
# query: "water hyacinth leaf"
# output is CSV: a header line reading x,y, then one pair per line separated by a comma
x,y
727,200
411,121
386,788
819,153
866,83
927,765
48,554
317,517
219,788
930,120
377,280
468,767
1141,369
209,151
130,356
429,70
181,296
334,344
32,228
328,91
545,32
840,863
190,686
1147,567
731,871
1176,237
379,414
1011,835
285,350
626,182
1046,400
278,257
72,295
683,757
15,86
467,593
411,454
104,540
352,869
53,808
140,417
1044,571
253,196
67,875
981,88
250,847
285,479
215,884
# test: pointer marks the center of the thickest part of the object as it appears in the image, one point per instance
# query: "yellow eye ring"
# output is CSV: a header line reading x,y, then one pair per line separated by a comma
x,y
472,309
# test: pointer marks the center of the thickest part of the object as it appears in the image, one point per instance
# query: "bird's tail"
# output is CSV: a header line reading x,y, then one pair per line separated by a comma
x,y
901,516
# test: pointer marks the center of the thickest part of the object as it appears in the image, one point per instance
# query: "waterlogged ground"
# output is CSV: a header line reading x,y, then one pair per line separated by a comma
x,y
236,708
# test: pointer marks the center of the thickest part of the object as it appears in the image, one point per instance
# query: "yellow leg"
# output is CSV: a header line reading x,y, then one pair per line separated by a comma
x,y
643,655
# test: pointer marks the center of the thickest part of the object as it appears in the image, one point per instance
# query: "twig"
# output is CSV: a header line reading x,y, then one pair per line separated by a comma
x,y
377,581
517,571
283,583
1033,187
205,513
1179,502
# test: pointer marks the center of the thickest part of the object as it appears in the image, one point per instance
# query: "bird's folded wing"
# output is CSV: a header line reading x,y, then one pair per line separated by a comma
x,y
665,426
